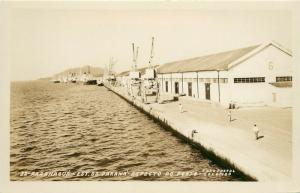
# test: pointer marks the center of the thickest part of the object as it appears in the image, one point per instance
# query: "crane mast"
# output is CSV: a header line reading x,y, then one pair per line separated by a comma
x,y
133,57
111,64
135,53
151,54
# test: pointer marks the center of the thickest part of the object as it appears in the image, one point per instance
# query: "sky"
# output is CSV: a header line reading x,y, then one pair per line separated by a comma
x,y
47,41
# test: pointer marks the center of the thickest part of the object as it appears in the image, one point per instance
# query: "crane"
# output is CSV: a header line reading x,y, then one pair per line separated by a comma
x,y
135,56
151,54
111,64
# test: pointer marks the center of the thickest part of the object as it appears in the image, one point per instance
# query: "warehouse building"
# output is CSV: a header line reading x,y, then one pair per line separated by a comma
x,y
252,76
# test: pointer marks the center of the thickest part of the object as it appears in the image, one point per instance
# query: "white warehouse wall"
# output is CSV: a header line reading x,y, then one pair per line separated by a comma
x,y
192,77
268,63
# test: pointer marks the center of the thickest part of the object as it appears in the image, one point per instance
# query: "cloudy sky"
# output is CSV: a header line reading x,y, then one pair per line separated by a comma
x,y
46,41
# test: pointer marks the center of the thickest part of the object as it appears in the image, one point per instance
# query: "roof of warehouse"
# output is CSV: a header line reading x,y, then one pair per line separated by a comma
x,y
126,73
282,84
142,70
219,61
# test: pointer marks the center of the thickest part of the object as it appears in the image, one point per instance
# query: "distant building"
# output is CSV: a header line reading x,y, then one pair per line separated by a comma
x,y
253,76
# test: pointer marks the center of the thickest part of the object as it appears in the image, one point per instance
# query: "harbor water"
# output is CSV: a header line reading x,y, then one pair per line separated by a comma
x,y
92,134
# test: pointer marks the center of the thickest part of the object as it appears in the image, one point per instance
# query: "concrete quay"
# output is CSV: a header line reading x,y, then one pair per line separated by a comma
x,y
230,143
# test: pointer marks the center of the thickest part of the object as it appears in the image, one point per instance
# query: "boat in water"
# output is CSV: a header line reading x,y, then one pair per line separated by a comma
x,y
55,80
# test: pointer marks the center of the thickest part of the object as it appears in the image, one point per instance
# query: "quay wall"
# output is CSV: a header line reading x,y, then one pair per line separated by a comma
x,y
216,155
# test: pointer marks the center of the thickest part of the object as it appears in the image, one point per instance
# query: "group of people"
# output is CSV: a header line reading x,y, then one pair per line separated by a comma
x,y
255,129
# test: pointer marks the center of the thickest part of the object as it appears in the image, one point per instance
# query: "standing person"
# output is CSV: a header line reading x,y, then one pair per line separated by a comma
x,y
229,115
157,93
193,133
180,108
256,131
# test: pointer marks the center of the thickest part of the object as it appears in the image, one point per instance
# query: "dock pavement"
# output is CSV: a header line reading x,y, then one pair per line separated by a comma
x,y
267,159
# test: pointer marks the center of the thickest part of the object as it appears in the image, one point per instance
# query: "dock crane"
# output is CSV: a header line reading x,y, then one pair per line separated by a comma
x,y
134,75
134,56
111,64
110,76
150,84
151,54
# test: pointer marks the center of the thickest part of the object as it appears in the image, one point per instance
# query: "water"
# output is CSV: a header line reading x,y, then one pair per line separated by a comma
x,y
76,128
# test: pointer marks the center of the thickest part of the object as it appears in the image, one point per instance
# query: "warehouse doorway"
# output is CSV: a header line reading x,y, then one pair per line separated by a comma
x,y
176,88
207,91
190,88
167,86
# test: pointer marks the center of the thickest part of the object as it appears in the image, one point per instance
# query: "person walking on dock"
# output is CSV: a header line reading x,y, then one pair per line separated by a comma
x,y
180,108
256,131
193,133
229,116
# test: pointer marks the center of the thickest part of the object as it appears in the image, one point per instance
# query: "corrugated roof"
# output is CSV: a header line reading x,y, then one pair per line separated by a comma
x,y
142,70
219,61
